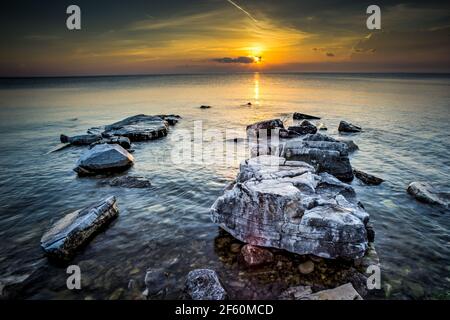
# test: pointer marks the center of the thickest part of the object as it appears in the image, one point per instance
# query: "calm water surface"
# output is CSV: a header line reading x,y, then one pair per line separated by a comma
x,y
405,138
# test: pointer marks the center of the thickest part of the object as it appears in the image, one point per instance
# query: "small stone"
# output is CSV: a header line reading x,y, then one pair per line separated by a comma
x,y
235,247
205,107
306,267
204,284
256,256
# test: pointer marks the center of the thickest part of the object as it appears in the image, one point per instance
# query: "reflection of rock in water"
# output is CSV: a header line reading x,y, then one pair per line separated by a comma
x,y
270,280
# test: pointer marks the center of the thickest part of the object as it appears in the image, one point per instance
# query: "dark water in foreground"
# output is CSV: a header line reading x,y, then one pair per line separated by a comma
x,y
405,138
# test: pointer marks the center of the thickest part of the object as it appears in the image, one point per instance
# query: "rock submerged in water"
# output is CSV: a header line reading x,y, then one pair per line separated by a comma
x,y
287,205
205,107
344,292
128,182
345,126
367,178
303,128
74,230
321,151
273,124
104,158
302,116
81,140
351,145
204,284
425,192
124,142
254,256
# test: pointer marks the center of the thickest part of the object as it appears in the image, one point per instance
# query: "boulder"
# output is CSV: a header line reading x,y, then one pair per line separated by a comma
x,y
268,125
352,146
76,229
255,256
127,182
425,192
104,158
321,151
85,139
302,116
345,126
204,284
124,142
288,205
367,178
344,292
304,128
142,127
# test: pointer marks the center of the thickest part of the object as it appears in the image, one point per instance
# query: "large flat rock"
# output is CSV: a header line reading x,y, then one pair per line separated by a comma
x,y
104,158
74,230
288,205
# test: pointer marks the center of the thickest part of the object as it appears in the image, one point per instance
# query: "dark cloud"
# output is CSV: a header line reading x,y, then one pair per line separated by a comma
x,y
244,60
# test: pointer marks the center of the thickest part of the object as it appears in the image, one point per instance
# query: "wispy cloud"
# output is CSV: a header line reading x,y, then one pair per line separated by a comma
x,y
244,60
243,10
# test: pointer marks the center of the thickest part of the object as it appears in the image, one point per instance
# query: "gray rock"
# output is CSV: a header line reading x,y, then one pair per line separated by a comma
x,y
321,151
274,124
304,128
142,127
345,126
367,178
85,139
155,281
124,142
425,192
128,182
344,292
287,205
204,284
306,267
296,293
74,230
254,256
351,145
104,158
301,116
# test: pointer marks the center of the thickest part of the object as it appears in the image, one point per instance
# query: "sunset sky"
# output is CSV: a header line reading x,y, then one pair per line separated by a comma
x,y
143,37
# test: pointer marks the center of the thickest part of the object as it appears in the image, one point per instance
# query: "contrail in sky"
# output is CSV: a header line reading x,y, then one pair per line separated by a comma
x,y
246,12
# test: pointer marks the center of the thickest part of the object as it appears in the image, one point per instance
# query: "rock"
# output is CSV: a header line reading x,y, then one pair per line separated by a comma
x,y
104,158
249,104
76,229
321,151
370,232
345,126
301,116
352,146
254,256
235,248
205,107
81,140
367,178
287,205
124,142
155,281
321,126
344,292
204,284
304,128
306,267
59,147
142,127
425,192
128,182
255,128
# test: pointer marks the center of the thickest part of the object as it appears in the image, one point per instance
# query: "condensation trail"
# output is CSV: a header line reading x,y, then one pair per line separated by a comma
x,y
240,8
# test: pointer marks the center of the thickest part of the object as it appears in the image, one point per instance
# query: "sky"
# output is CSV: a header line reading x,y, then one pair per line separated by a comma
x,y
209,36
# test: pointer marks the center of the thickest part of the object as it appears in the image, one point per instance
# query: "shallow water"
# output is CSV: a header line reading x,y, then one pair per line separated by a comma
x,y
405,121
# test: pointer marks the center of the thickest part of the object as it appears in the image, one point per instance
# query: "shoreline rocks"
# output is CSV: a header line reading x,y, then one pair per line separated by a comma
x,y
104,158
81,140
288,205
345,126
204,284
426,193
304,127
76,229
367,178
302,116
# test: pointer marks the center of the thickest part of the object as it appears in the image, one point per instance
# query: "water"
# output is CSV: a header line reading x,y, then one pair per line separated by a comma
x,y
405,120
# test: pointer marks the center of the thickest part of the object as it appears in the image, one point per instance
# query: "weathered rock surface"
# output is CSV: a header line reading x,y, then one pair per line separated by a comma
x,y
301,116
128,182
104,158
74,230
425,192
155,281
85,139
142,127
274,124
367,178
344,292
345,126
204,284
254,256
287,205
304,127
321,151
351,145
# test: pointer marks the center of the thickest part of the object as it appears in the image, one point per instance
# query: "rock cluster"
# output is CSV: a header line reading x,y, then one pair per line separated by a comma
x,y
288,205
